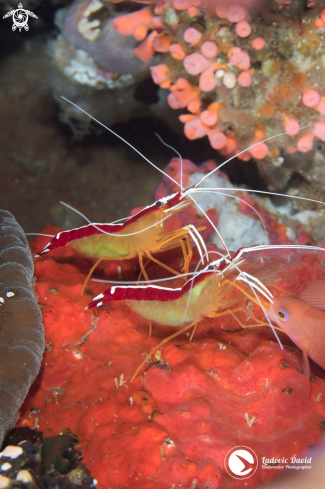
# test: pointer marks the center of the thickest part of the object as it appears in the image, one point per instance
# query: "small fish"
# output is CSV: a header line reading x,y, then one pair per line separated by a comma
x,y
303,320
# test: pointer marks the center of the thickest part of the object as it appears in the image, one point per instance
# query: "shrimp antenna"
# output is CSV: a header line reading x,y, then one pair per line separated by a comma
x,y
76,211
214,227
112,234
232,189
278,247
122,139
179,155
245,277
216,191
40,234
86,218
247,149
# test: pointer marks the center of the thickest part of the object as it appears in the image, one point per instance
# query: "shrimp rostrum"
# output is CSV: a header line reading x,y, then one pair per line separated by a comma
x,y
213,292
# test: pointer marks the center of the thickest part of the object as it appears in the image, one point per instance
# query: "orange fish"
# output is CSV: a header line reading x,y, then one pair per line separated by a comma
x,y
303,320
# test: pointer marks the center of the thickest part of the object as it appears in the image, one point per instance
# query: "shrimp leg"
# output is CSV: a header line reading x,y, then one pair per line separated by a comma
x,y
175,239
144,266
150,328
182,330
161,264
243,291
143,270
232,313
90,273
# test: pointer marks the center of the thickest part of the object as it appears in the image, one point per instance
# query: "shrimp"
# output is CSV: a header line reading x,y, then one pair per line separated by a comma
x,y
145,233
140,235
208,294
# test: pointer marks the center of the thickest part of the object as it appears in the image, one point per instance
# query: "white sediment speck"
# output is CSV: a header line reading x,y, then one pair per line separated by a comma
x,y
83,70
4,482
77,354
291,234
5,466
219,74
80,67
304,217
11,451
250,420
24,476
278,161
229,80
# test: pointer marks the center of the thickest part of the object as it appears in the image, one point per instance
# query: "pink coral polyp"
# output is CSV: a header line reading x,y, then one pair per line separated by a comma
x,y
195,63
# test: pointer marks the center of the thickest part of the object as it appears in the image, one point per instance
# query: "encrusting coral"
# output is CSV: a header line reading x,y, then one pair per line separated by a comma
x,y
239,72
21,329
243,74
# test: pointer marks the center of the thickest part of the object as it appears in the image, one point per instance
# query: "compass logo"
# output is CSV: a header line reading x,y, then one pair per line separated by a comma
x,y
241,462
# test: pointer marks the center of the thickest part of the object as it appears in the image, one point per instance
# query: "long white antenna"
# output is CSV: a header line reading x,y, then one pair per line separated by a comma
x,y
179,155
122,139
247,149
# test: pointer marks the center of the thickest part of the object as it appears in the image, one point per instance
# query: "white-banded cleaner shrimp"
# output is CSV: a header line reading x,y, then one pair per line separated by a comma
x,y
194,188
209,293
140,235
176,200
182,195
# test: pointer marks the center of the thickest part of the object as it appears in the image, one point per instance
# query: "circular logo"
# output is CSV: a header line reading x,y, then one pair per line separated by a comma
x,y
241,462
20,17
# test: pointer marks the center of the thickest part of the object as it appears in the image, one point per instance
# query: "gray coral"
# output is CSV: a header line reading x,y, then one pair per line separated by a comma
x,y
21,329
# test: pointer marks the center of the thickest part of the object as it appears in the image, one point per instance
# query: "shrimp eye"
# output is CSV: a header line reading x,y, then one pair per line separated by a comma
x,y
283,315
210,267
158,203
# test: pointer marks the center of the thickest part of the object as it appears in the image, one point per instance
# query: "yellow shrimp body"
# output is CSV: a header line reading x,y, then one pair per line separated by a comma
x,y
124,247
203,302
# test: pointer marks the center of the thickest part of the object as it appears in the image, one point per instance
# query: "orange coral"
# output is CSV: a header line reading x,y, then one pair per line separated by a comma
x,y
136,24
